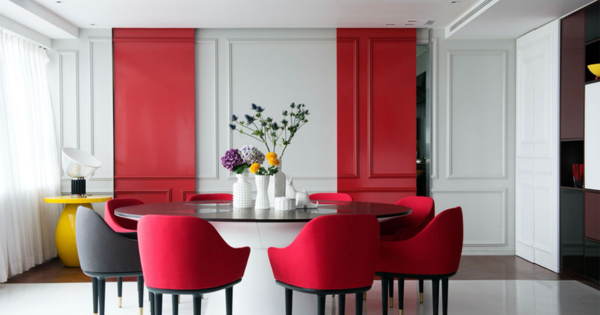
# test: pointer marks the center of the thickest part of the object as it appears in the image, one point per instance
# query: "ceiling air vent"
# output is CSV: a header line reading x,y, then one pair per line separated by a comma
x,y
430,22
480,7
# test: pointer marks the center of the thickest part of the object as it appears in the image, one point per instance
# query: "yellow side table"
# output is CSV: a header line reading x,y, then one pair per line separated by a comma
x,y
66,245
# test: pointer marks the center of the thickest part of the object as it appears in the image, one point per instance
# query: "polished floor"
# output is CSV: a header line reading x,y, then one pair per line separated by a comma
x,y
467,297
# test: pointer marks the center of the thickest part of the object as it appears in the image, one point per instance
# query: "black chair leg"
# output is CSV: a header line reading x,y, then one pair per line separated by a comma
x,y
384,294
321,304
197,305
140,288
342,304
101,291
420,290
400,296
288,301
95,294
229,300
435,283
152,306
157,303
359,304
391,291
445,296
175,303
120,290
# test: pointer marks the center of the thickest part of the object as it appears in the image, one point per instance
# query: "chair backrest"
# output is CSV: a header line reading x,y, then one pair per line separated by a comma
x,y
117,223
423,211
207,197
102,250
187,253
442,242
331,197
332,252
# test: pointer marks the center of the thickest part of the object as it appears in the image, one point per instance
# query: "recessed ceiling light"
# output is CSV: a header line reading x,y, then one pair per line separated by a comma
x,y
412,21
390,24
58,1
454,2
93,24
407,24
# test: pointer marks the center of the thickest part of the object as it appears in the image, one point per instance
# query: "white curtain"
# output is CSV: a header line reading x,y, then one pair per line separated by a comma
x,y
29,168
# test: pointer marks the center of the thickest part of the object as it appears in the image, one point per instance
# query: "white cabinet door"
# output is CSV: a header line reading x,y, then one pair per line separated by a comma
x,y
537,179
592,136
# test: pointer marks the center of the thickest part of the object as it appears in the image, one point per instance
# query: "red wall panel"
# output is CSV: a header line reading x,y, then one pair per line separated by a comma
x,y
154,113
376,72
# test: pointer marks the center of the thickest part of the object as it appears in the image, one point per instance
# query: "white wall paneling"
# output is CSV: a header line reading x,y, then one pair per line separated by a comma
x,y
592,136
271,68
537,188
473,121
80,77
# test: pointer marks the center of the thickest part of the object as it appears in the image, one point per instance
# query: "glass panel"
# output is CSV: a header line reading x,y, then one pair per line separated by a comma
x,y
571,230
592,260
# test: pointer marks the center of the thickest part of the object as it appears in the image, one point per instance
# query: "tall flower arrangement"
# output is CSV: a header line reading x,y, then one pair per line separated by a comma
x,y
272,133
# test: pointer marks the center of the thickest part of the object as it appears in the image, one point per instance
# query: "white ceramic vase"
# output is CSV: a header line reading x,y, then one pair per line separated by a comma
x,y
242,191
277,186
262,197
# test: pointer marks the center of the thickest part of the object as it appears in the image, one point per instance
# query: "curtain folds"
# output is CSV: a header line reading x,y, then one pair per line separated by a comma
x,y
29,167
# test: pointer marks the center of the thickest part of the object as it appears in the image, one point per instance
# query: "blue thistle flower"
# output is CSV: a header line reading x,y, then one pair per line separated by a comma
x,y
284,113
234,117
275,127
284,122
249,119
263,123
254,107
293,105
259,109
232,126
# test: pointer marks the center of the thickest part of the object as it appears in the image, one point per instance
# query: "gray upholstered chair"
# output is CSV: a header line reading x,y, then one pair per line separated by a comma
x,y
104,253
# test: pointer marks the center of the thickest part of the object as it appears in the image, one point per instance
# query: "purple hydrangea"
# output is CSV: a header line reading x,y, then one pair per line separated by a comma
x,y
231,159
251,155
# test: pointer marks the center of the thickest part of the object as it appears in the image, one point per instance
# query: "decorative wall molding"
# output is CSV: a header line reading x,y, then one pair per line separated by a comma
x,y
434,159
370,111
449,108
167,192
356,108
91,41
215,42
61,64
376,190
230,43
166,177
503,242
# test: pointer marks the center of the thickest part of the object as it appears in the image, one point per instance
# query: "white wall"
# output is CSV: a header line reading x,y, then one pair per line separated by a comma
x,y
234,68
272,68
80,76
473,138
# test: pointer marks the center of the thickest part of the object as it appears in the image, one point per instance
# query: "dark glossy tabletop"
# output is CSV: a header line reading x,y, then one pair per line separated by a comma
x,y
223,211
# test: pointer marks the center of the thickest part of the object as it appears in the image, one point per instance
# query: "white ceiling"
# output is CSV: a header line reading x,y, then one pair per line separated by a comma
x,y
249,13
509,19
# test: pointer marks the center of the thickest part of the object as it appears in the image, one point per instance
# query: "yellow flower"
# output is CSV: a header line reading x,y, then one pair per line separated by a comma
x,y
274,161
271,155
254,168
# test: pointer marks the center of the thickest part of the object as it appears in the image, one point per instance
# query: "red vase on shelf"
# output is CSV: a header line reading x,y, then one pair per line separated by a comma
x,y
578,175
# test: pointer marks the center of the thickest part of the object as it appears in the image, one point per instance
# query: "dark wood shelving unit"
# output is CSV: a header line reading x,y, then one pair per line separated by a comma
x,y
579,206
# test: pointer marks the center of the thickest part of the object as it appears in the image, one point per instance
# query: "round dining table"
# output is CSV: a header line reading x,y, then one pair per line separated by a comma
x,y
259,229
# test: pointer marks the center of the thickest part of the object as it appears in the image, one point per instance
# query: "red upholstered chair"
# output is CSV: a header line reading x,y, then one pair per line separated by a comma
x,y
331,197
434,253
208,197
331,255
423,211
186,255
118,224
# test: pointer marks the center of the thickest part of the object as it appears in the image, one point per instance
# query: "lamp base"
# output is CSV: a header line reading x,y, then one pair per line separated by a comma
x,y
78,187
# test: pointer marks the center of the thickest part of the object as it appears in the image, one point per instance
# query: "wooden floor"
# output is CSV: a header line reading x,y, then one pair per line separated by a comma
x,y
471,268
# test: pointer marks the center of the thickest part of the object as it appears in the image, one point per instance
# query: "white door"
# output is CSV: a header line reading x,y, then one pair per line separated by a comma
x,y
537,178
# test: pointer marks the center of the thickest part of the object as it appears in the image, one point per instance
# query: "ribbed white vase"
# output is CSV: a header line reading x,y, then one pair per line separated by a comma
x,y
262,198
242,191
277,186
